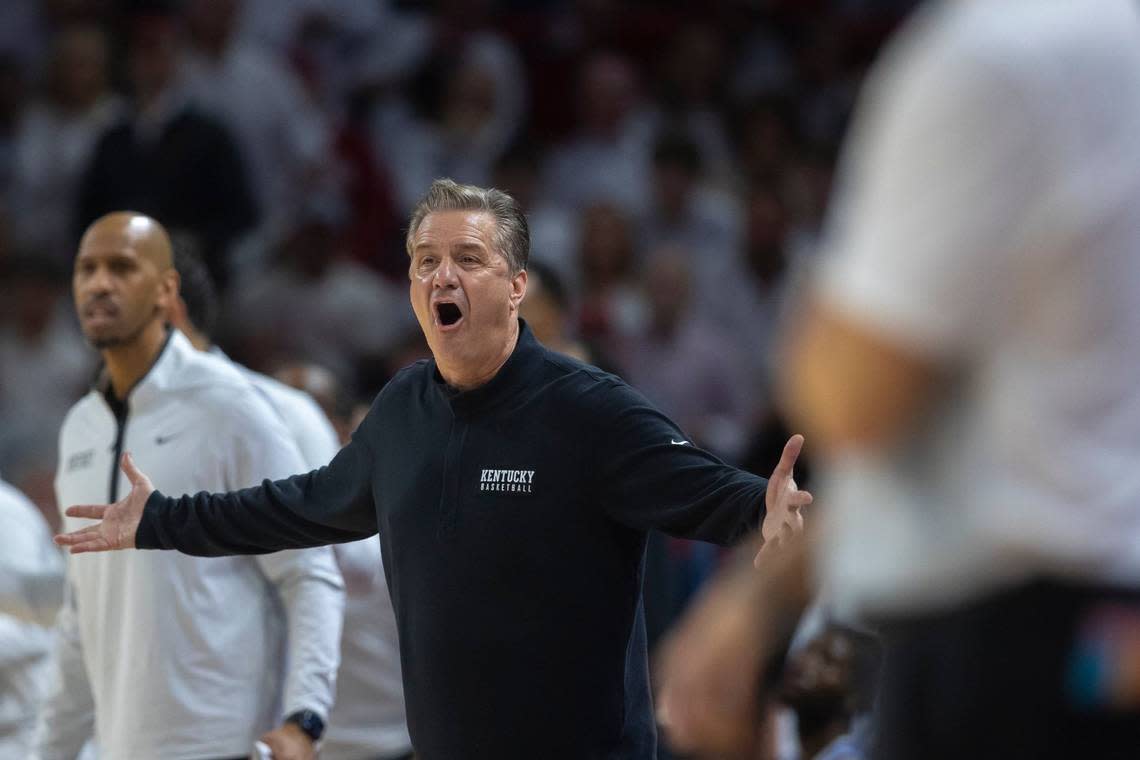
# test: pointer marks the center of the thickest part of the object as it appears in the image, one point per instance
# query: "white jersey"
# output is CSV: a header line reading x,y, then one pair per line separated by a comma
x,y
368,719
175,656
31,588
988,222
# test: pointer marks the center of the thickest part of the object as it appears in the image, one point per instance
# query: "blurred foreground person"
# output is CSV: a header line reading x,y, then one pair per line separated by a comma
x,y
367,722
31,591
969,368
512,488
161,655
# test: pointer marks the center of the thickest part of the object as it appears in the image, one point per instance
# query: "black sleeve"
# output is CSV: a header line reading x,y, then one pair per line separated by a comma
x,y
651,476
330,505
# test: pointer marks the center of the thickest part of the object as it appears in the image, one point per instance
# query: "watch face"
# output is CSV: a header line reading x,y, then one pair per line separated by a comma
x,y
309,722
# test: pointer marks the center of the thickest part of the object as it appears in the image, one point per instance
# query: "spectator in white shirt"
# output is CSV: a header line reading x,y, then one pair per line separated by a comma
x,y
31,591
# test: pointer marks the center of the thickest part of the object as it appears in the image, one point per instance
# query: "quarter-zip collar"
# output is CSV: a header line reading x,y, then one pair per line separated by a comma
x,y
170,370
120,408
103,380
511,379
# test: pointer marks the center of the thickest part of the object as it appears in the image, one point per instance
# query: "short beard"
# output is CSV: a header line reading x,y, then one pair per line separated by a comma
x,y
118,341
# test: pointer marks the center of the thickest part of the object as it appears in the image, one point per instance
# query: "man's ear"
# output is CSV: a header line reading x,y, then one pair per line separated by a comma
x,y
169,299
518,289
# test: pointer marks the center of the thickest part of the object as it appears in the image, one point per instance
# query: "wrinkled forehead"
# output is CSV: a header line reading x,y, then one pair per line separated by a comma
x,y
456,228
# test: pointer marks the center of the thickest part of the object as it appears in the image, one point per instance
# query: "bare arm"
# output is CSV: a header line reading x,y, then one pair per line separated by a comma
x,y
710,667
848,386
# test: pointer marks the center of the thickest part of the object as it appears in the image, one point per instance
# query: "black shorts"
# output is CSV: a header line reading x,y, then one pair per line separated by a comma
x,y
1027,674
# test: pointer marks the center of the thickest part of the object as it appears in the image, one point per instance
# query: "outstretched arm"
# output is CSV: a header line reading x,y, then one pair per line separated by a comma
x,y
328,505
651,476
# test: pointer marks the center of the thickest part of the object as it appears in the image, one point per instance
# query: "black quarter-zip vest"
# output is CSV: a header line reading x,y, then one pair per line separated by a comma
x,y
513,519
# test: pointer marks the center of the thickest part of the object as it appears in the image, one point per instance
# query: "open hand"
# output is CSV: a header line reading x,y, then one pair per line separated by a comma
x,y
783,498
119,520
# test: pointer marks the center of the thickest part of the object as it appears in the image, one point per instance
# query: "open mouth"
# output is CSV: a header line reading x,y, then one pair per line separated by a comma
x,y
448,313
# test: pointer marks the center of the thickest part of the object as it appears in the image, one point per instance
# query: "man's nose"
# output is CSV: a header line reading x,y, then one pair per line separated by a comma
x,y
99,281
445,275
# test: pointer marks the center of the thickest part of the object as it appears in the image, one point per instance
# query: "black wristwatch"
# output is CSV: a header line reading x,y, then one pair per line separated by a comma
x,y
309,722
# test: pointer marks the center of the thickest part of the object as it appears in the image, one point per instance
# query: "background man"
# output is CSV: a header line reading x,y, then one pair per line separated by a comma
x,y
512,489
31,590
968,366
367,720
169,656
167,158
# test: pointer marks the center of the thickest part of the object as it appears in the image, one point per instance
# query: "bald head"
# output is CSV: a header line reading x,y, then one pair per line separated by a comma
x,y
124,279
128,229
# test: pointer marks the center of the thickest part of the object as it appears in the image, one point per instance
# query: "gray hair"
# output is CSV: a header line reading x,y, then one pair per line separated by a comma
x,y
511,235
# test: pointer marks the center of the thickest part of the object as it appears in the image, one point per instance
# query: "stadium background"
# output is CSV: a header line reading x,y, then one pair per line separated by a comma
x,y
675,160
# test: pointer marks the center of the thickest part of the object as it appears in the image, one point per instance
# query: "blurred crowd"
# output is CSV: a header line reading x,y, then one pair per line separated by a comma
x,y
674,159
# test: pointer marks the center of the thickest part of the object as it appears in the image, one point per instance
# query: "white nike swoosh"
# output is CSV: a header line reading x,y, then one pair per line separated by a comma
x,y
678,443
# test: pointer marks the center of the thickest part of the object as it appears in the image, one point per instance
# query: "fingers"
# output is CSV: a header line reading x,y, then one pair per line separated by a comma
x,y
97,545
87,539
76,536
793,525
92,511
788,458
134,474
798,499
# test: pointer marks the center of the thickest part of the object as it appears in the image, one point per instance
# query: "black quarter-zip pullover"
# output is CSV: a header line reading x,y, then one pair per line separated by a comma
x,y
513,519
